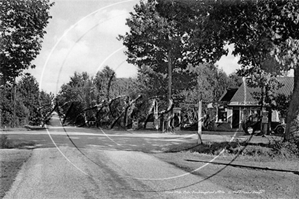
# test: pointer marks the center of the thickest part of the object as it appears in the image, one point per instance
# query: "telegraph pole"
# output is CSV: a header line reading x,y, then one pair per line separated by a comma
x,y
14,103
200,122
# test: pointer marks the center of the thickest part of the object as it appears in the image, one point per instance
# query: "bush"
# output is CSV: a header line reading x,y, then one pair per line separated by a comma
x,y
286,149
4,142
289,149
276,148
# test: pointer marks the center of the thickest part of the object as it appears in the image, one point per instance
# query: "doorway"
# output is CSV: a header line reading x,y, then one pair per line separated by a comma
x,y
235,119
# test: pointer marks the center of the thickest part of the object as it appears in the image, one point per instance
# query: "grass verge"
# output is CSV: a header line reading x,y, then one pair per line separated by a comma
x,y
12,157
244,174
11,162
6,143
274,149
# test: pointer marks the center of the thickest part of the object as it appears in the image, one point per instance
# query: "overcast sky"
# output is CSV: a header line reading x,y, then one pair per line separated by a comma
x,y
81,36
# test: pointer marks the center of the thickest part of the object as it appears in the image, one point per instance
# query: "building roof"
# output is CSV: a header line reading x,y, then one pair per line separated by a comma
x,y
227,96
288,85
244,95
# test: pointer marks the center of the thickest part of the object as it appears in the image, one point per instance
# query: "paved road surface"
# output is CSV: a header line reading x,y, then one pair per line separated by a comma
x,y
94,165
92,173
145,141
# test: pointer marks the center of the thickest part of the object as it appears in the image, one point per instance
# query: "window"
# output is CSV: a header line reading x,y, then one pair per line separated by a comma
x,y
222,114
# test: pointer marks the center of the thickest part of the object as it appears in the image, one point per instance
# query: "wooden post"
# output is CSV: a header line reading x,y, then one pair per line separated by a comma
x,y
14,103
200,123
264,122
1,114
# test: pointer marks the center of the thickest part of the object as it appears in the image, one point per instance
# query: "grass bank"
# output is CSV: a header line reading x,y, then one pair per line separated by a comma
x,y
12,157
11,162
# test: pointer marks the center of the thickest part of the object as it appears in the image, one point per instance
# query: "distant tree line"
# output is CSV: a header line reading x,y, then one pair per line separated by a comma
x,y
106,101
22,29
31,107
95,100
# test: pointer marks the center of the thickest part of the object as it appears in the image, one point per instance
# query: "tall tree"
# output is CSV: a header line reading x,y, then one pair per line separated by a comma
x,y
101,98
261,31
77,93
104,80
235,80
31,107
22,28
266,32
211,84
28,93
156,41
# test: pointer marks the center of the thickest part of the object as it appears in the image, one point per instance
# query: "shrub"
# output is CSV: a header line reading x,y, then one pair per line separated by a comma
x,y
284,149
3,141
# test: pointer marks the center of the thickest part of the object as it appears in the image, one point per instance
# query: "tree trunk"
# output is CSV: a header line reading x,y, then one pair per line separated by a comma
x,y
1,98
262,109
293,106
168,111
169,83
150,112
109,85
169,75
124,111
200,123
14,103
269,131
0,114
48,115
67,113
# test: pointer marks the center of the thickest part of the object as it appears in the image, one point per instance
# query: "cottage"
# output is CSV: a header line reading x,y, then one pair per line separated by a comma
x,y
236,104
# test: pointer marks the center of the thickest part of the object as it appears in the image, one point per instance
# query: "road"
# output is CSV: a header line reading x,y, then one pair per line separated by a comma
x,y
110,164
57,135
92,173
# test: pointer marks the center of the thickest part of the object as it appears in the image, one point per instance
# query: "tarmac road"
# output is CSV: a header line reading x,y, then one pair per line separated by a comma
x,y
92,165
57,135
91,173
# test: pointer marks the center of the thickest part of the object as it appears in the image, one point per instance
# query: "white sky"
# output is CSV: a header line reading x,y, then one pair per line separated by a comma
x,y
81,36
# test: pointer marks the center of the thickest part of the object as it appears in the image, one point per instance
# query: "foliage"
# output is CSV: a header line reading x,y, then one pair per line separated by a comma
x,y
22,27
282,104
275,149
101,99
160,39
3,141
151,37
235,81
211,84
265,35
6,143
256,27
103,81
76,94
28,93
31,104
45,106
164,33
7,107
